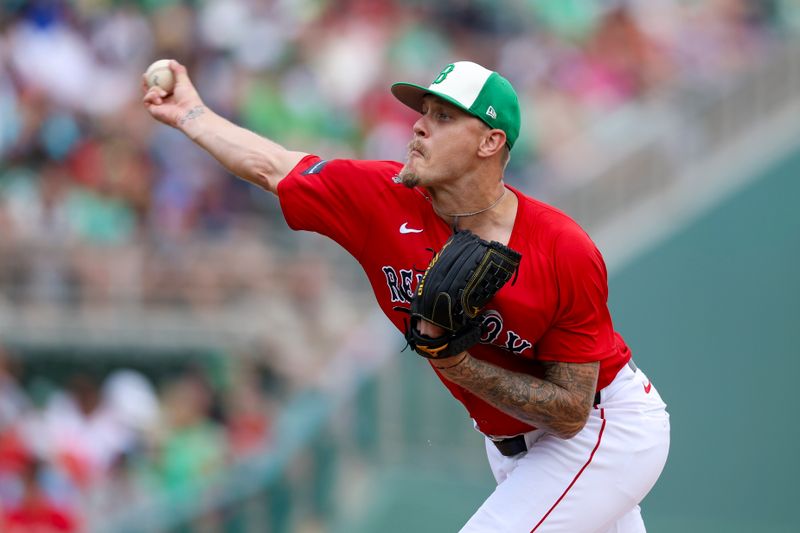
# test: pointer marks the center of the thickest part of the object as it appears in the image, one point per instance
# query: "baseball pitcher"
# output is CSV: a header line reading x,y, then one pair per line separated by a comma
x,y
511,312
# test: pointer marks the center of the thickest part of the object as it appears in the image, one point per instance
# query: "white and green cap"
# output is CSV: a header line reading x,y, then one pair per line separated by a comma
x,y
477,90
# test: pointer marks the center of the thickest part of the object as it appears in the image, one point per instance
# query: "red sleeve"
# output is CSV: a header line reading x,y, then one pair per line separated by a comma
x,y
582,331
335,198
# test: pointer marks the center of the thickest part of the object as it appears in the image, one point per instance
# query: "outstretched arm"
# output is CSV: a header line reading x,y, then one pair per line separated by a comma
x,y
245,154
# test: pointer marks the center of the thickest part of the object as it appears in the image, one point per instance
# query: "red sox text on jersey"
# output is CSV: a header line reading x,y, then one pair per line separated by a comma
x,y
399,282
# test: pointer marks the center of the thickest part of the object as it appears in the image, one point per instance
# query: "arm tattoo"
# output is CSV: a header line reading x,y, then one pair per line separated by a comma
x,y
559,402
193,113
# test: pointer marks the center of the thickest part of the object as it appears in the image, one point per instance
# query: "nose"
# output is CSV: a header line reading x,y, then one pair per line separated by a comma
x,y
420,129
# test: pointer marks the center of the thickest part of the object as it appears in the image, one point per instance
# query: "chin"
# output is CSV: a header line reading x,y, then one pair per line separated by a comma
x,y
408,177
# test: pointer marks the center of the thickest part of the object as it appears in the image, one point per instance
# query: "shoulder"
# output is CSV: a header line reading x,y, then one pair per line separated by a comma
x,y
315,165
313,173
538,209
545,224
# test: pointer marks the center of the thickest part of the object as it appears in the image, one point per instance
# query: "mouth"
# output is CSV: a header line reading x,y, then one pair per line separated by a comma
x,y
415,149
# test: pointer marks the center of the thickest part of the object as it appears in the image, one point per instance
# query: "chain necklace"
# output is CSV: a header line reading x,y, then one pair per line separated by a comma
x,y
456,216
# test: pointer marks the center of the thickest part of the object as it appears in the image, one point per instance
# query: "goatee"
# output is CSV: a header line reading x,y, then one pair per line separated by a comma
x,y
408,178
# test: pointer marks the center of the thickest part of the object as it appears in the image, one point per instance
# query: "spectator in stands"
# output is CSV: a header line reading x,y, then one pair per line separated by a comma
x,y
119,182
36,510
193,445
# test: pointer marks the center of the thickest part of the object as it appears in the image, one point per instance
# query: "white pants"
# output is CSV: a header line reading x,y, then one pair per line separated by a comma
x,y
592,482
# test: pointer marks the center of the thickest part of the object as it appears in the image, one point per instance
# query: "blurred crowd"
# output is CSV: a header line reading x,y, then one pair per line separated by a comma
x,y
73,450
98,202
82,162
100,205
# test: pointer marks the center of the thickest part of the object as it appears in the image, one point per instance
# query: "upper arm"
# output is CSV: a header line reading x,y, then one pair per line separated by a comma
x,y
581,330
578,379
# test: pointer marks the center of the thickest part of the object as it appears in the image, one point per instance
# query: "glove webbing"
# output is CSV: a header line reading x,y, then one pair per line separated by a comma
x,y
495,269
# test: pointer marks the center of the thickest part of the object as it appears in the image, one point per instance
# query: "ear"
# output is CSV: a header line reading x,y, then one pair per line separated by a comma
x,y
492,143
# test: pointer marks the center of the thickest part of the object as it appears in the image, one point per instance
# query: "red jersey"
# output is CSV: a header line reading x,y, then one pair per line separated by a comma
x,y
555,311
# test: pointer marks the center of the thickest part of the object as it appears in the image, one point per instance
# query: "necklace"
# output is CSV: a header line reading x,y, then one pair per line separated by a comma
x,y
471,213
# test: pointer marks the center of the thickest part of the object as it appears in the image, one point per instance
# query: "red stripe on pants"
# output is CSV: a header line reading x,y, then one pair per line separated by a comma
x,y
591,456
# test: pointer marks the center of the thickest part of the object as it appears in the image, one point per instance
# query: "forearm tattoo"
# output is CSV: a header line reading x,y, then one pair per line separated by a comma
x,y
559,403
193,113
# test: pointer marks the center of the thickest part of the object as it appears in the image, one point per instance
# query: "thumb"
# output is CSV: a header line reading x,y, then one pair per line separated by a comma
x,y
180,72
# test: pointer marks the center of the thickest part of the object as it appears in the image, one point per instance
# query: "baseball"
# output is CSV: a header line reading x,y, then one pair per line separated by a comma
x,y
159,74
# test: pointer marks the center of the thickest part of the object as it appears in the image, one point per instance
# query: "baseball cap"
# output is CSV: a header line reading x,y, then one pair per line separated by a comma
x,y
482,93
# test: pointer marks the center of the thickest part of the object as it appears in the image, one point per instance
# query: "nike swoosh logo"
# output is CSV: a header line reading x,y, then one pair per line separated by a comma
x,y
405,229
647,387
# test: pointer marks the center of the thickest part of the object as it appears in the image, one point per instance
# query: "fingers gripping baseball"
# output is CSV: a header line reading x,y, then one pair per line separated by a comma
x,y
171,107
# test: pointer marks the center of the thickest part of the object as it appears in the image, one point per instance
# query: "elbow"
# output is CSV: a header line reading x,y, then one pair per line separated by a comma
x,y
571,425
266,181
267,169
567,432
260,172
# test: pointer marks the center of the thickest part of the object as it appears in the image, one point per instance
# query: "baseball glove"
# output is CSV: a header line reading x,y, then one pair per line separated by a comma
x,y
458,283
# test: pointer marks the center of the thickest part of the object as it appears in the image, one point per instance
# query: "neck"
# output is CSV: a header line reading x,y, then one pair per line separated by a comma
x,y
473,190
472,213
489,213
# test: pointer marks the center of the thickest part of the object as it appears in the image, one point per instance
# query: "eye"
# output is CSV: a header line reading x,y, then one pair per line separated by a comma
x,y
441,115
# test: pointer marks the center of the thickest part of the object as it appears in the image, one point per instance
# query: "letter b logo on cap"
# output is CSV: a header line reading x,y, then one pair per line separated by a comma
x,y
443,74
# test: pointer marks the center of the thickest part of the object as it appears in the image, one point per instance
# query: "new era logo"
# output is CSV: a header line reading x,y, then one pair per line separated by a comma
x,y
491,112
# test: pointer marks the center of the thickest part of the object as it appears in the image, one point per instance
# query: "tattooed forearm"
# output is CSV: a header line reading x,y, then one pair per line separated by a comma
x,y
194,112
559,403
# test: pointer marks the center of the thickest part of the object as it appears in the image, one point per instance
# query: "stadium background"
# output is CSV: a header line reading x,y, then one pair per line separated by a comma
x,y
164,368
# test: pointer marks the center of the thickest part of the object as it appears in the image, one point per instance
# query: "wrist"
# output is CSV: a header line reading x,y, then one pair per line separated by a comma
x,y
450,362
192,122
